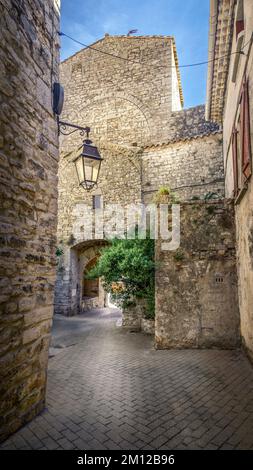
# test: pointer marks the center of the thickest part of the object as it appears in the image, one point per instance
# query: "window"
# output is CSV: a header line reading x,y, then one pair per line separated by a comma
x,y
96,202
241,145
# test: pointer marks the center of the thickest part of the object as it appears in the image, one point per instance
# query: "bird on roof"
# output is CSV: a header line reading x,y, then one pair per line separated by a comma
x,y
132,31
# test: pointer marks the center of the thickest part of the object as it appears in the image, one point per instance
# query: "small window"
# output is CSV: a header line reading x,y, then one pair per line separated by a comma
x,y
96,202
219,279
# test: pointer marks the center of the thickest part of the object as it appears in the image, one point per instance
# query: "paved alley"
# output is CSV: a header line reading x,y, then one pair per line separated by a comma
x,y
108,389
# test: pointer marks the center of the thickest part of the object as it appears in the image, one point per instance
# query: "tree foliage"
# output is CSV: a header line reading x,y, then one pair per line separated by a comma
x,y
127,269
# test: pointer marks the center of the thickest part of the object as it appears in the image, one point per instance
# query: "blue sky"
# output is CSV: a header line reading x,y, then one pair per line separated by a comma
x,y
187,20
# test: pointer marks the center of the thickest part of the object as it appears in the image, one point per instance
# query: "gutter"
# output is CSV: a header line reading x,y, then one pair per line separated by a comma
x,y
211,54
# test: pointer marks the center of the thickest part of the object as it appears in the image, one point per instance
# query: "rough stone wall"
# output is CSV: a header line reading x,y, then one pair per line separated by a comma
x,y
28,162
192,168
189,123
122,101
132,316
196,294
148,326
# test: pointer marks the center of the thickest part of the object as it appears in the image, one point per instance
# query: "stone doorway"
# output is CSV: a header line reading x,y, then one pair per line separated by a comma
x,y
92,292
90,286
74,293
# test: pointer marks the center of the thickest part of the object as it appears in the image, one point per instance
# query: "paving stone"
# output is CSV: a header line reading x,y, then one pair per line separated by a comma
x,y
112,390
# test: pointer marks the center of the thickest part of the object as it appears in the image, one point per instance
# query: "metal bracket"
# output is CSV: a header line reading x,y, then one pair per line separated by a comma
x,y
62,127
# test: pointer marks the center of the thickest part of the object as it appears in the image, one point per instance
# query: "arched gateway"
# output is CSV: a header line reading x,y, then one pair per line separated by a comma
x,y
75,293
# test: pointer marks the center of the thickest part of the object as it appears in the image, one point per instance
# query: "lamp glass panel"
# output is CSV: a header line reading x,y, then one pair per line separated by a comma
x,y
87,170
79,169
91,168
95,172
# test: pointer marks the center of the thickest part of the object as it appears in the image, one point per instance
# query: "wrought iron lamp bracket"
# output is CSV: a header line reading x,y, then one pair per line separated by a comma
x,y
62,128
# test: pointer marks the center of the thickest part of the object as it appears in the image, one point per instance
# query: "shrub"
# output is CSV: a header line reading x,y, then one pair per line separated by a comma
x,y
165,195
127,269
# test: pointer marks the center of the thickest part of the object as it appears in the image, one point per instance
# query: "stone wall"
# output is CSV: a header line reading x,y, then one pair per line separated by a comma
x,y
125,101
148,326
29,162
119,183
192,168
132,316
196,285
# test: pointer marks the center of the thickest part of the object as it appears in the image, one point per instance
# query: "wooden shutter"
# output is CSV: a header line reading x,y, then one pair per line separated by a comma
x,y
239,26
245,132
235,162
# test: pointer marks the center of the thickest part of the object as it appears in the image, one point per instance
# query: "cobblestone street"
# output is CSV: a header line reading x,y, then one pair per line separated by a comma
x,y
109,389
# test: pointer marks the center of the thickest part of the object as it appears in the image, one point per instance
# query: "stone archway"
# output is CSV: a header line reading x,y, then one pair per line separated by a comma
x,y
92,292
90,287
119,117
69,294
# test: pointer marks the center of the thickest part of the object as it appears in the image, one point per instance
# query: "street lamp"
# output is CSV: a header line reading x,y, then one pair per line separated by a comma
x,y
89,161
88,164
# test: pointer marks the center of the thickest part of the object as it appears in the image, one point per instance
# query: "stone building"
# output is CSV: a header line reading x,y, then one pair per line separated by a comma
x,y
147,140
230,102
126,100
29,59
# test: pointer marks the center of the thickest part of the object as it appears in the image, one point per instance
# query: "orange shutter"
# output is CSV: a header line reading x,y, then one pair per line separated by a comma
x,y
245,128
235,167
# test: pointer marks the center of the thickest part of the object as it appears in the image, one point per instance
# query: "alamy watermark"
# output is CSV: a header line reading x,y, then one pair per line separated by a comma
x,y
130,221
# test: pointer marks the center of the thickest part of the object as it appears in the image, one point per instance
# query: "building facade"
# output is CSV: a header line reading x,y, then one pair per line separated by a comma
x,y
147,141
230,102
29,59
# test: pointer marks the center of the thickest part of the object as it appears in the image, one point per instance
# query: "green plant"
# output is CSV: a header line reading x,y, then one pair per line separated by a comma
x,y
211,195
127,269
165,195
59,251
179,255
210,209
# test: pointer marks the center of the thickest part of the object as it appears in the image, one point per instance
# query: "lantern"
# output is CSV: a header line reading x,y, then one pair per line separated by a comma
x,y
88,165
